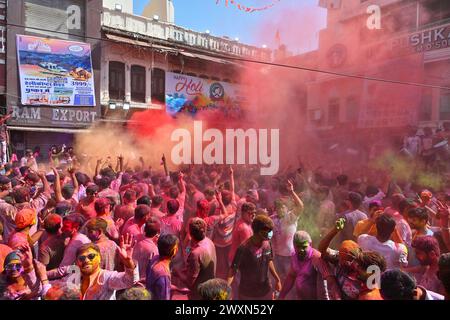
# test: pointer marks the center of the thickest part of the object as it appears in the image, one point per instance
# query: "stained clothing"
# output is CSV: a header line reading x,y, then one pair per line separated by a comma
x,y
253,264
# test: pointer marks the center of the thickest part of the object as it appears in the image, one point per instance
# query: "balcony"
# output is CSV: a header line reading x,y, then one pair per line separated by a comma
x,y
176,34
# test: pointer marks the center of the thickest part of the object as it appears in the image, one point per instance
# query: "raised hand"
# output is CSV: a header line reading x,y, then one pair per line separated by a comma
x,y
290,185
26,256
41,270
126,247
119,223
443,209
218,196
71,170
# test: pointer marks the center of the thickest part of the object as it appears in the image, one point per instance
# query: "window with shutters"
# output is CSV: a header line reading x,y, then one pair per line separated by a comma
x,y
137,83
158,85
333,112
116,80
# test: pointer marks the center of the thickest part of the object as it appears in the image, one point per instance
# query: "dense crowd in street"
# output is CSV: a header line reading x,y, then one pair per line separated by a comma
x,y
216,232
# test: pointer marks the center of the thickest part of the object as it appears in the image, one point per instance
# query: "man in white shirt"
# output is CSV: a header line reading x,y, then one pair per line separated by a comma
x,y
285,225
396,254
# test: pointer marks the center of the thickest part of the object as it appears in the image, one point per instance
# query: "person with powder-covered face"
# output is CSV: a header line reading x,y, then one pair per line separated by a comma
x,y
96,283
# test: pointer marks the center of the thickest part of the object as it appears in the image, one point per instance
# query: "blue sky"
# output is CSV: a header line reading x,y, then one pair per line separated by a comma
x,y
202,15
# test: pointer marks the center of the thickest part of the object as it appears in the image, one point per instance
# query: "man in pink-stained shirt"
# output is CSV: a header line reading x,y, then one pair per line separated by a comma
x,y
243,228
103,209
156,206
147,248
134,226
125,211
202,261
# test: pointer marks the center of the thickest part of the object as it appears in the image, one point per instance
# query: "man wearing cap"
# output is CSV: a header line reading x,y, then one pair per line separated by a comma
x,y
22,199
24,220
18,281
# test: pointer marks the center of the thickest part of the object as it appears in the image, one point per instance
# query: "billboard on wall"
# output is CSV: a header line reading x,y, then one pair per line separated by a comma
x,y
186,94
55,72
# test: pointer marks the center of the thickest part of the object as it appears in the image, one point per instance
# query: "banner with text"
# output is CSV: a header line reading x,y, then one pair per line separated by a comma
x,y
55,72
191,94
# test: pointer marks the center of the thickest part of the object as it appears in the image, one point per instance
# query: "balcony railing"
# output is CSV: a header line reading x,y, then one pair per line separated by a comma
x,y
170,32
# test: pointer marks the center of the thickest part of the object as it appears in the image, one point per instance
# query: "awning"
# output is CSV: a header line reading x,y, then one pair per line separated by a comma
x,y
208,58
43,129
140,43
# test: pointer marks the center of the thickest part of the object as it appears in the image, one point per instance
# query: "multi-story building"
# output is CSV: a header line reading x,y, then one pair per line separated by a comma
x,y
136,61
141,55
412,45
51,94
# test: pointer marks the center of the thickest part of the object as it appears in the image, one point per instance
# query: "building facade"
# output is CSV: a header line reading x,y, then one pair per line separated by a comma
x,y
142,54
412,46
135,64
46,122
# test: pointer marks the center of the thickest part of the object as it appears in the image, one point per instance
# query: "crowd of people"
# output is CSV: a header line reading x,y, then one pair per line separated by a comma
x,y
216,232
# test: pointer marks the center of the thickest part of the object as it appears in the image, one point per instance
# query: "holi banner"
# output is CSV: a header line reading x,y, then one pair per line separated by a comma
x,y
191,95
55,72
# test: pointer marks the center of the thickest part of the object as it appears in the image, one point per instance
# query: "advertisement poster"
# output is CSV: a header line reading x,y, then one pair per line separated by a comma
x,y
55,72
191,95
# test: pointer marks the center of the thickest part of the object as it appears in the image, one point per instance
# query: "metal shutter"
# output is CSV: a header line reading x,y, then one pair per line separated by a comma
x,y
52,15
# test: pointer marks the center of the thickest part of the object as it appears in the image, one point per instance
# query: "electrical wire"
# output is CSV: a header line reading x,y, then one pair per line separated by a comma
x,y
260,62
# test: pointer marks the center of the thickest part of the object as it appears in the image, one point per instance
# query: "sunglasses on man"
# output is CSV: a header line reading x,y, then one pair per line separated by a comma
x,y
90,256
13,267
